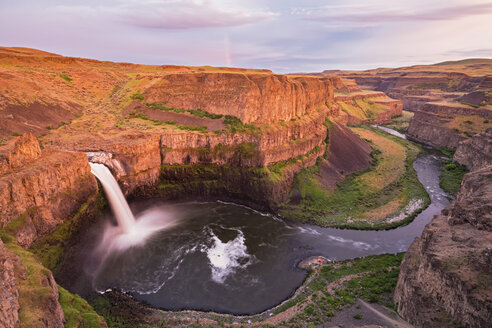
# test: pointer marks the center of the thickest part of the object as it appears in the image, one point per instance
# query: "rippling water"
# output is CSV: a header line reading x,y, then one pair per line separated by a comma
x,y
228,258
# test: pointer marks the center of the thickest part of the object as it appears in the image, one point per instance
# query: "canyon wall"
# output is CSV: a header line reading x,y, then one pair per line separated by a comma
x,y
42,189
475,152
445,125
238,161
9,295
253,98
445,275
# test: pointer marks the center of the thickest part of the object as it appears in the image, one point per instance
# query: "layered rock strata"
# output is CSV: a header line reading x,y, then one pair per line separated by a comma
x,y
436,123
9,296
253,98
445,275
475,152
45,191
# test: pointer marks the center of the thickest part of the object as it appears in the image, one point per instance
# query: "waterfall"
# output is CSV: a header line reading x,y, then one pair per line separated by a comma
x,y
117,200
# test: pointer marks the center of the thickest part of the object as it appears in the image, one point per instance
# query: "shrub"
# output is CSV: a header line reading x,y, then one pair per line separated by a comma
x,y
137,96
15,134
65,77
357,316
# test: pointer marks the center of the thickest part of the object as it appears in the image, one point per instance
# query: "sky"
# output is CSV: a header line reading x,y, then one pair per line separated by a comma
x,y
281,35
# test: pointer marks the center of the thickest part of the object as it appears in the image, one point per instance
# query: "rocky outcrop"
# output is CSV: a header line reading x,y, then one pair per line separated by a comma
x,y
438,123
253,98
475,152
417,85
445,275
9,296
347,153
19,152
365,107
38,196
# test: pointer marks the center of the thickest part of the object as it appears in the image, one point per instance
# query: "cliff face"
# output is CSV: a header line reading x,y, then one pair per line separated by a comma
x,y
46,190
445,125
354,106
9,296
253,98
142,161
445,275
475,152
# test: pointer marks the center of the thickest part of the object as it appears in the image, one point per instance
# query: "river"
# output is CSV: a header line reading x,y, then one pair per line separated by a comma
x,y
228,258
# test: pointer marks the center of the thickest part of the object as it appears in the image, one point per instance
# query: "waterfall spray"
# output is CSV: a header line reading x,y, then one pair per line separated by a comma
x,y
117,201
130,231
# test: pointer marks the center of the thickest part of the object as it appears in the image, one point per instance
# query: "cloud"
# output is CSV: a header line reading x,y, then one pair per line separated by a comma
x,y
173,14
368,14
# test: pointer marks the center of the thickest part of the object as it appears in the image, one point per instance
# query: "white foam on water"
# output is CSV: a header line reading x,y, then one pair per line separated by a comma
x,y
226,258
308,230
249,208
356,244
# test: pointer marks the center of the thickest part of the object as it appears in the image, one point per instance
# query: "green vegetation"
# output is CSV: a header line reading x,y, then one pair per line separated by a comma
x,y
363,109
364,199
328,289
164,108
34,293
15,134
137,96
65,77
232,123
400,123
372,279
202,113
50,249
451,177
358,316
202,129
449,153
78,313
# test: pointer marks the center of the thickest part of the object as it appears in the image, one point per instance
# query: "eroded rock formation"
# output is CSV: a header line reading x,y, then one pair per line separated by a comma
x,y
445,125
475,152
42,190
253,98
9,296
445,275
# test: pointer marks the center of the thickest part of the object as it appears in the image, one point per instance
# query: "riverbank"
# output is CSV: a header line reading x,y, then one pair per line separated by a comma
x,y
329,290
385,196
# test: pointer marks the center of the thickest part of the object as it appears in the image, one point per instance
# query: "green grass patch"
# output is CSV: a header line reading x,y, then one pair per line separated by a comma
x,y
360,192
34,293
451,177
371,278
78,313
67,78
50,249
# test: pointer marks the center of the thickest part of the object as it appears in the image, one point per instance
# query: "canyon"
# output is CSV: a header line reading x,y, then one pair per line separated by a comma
x,y
451,100
244,135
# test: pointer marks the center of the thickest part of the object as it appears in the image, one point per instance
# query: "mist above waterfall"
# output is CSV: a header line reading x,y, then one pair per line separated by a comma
x,y
130,231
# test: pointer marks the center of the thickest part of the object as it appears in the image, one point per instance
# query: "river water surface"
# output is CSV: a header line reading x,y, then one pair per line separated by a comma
x,y
231,259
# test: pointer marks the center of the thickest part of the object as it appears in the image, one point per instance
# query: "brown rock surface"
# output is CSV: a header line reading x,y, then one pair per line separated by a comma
x,y
38,196
347,153
19,152
476,152
436,123
9,296
445,274
253,98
